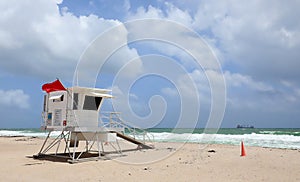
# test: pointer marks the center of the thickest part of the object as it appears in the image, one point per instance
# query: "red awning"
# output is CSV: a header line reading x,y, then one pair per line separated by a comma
x,y
54,86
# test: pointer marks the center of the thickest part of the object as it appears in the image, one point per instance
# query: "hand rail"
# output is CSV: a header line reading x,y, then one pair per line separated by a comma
x,y
115,121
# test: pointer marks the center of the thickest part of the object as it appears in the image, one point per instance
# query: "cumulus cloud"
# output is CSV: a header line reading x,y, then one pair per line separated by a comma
x,y
238,80
136,111
170,12
169,92
109,53
166,42
14,98
257,41
41,40
244,92
263,39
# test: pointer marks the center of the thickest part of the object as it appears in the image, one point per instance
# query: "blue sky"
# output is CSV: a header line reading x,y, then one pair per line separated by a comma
x,y
257,44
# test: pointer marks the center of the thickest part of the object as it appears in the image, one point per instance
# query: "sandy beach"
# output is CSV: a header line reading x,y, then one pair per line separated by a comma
x,y
167,162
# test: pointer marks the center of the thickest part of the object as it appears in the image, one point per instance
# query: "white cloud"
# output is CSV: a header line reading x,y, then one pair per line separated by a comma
x,y
244,92
132,108
109,53
171,13
259,40
191,45
142,13
39,40
260,37
126,5
14,98
169,92
239,80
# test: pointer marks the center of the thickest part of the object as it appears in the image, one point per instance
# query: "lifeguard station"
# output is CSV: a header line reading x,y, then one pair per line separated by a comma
x,y
75,113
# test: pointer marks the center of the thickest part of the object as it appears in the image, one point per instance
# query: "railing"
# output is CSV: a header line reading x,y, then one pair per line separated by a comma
x,y
114,121
110,121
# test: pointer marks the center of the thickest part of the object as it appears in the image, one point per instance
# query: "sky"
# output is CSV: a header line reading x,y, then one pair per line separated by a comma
x,y
253,46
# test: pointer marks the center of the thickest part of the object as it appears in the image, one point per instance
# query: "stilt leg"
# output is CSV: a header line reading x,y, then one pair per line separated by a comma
x,y
44,143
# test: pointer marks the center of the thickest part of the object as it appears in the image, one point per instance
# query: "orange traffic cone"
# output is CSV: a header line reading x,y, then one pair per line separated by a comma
x,y
243,151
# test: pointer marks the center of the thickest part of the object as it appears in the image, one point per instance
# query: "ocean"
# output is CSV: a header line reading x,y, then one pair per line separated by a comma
x,y
285,138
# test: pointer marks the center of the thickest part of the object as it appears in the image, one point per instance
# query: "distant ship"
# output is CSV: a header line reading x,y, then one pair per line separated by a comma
x,y
244,126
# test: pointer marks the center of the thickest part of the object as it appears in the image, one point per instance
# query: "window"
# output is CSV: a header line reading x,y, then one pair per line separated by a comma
x,y
91,103
45,104
75,101
49,119
57,98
